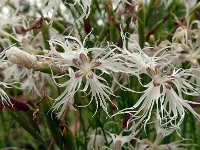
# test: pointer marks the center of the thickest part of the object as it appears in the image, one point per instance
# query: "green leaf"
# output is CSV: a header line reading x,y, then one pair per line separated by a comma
x,y
103,33
114,34
150,10
57,24
61,133
51,121
196,8
141,25
45,35
68,139
25,119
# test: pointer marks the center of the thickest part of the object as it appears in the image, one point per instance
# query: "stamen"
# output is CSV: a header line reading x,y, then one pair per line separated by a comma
x,y
168,86
78,74
83,57
149,70
157,70
173,77
97,63
76,62
90,75
156,83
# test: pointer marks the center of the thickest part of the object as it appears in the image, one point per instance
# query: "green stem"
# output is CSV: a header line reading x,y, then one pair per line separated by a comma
x,y
101,126
84,129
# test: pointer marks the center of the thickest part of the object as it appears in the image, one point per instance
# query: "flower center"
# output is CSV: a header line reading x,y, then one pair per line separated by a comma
x,y
86,67
158,78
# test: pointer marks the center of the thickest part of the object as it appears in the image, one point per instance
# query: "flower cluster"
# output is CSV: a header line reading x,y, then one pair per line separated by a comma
x,y
152,78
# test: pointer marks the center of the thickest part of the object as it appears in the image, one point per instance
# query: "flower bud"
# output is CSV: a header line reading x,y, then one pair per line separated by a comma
x,y
22,58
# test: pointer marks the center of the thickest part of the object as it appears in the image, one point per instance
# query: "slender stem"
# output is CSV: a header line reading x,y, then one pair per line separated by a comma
x,y
51,145
84,129
103,130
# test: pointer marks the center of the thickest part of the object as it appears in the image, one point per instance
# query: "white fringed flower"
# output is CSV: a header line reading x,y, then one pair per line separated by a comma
x,y
161,93
83,69
165,93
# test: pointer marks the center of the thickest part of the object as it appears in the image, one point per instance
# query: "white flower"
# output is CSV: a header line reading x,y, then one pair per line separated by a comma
x,y
82,71
170,106
165,93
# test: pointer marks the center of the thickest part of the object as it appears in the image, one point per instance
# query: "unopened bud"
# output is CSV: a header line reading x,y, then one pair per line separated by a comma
x,y
152,40
22,58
